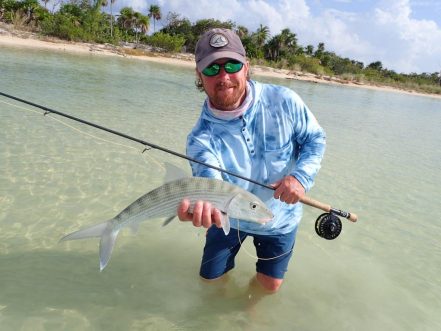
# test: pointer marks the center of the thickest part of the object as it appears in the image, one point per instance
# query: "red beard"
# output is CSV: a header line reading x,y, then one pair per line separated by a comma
x,y
227,100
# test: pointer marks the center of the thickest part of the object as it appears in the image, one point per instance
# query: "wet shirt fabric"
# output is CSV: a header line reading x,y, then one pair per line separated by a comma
x,y
276,136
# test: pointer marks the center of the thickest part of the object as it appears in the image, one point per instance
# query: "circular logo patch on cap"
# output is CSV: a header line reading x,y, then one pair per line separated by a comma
x,y
218,40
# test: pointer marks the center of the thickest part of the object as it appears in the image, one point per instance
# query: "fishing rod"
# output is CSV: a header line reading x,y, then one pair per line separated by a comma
x,y
328,225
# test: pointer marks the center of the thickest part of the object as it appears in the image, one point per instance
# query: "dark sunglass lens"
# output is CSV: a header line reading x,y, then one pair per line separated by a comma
x,y
233,66
212,70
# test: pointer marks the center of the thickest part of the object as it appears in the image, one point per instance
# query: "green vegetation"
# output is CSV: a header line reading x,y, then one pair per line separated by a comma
x,y
88,20
167,42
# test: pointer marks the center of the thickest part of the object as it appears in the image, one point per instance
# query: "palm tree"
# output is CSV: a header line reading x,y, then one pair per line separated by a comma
x,y
262,35
377,65
309,50
273,47
104,3
320,50
141,24
126,19
111,17
289,40
259,39
133,22
242,31
155,13
282,44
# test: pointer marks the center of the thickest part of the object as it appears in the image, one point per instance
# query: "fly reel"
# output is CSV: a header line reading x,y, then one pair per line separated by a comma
x,y
328,226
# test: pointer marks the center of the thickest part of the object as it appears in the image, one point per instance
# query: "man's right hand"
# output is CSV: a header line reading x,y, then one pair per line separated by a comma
x,y
203,214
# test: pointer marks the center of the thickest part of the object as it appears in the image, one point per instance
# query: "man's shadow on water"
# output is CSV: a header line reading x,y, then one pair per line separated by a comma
x,y
34,281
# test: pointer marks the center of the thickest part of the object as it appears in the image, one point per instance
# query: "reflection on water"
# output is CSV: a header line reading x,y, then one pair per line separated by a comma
x,y
382,162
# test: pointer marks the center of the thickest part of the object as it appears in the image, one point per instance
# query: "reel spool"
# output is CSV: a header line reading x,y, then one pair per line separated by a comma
x,y
328,226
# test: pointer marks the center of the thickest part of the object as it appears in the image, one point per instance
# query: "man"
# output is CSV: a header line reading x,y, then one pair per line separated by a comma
x,y
260,131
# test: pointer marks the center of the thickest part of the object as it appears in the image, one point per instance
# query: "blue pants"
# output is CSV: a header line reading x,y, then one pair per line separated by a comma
x,y
274,252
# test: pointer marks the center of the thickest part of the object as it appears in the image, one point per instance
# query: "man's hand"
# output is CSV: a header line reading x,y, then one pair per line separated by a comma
x,y
204,214
288,190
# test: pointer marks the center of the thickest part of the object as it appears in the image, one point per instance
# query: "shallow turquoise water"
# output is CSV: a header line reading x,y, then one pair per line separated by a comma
x,y
382,162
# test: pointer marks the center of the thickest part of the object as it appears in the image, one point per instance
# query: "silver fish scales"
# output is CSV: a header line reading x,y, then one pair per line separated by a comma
x,y
163,201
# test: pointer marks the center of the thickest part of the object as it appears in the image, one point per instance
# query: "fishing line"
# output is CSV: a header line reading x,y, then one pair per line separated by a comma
x,y
256,257
131,147
328,225
142,142
46,114
151,158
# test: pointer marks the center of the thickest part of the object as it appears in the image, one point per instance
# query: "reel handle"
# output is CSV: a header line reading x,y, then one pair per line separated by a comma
x,y
327,208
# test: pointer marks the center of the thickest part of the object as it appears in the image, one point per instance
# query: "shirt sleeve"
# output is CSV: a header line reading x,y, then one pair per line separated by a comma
x,y
311,142
201,151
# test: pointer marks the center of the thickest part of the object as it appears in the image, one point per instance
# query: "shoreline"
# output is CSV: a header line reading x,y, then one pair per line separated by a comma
x,y
31,40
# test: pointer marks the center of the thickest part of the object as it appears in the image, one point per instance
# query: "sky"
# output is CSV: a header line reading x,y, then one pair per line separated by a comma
x,y
405,35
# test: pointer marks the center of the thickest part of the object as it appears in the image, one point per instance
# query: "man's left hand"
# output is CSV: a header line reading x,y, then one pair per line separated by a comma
x,y
288,190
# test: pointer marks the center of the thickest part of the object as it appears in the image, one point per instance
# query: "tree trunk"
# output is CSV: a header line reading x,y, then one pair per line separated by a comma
x,y
111,19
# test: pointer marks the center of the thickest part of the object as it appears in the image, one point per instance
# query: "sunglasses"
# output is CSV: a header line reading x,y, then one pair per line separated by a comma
x,y
230,67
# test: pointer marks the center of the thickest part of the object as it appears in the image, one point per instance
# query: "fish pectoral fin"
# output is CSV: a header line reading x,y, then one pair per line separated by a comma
x,y
168,220
225,222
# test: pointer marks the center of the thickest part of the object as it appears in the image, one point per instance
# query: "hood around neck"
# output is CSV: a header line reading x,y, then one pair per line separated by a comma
x,y
253,93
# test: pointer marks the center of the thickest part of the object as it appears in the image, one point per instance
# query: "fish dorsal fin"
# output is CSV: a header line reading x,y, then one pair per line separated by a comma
x,y
173,172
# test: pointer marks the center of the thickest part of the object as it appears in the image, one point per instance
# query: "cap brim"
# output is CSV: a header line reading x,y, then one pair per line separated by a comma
x,y
202,64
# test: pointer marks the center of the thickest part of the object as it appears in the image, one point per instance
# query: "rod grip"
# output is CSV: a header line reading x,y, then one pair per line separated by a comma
x,y
353,217
327,208
314,203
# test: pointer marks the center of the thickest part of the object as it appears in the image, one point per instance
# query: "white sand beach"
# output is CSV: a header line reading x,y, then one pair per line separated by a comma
x,y
31,40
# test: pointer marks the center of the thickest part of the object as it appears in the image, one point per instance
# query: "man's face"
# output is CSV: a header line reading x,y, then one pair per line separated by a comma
x,y
225,91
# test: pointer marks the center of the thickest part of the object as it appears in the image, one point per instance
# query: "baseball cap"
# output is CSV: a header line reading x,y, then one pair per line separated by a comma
x,y
217,44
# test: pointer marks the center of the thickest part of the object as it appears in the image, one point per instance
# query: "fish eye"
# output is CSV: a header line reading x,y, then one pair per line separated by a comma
x,y
253,205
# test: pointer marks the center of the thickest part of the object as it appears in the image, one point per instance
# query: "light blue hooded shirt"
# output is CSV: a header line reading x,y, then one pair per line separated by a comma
x,y
276,136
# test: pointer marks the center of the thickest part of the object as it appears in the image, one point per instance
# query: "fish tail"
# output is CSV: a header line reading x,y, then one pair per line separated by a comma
x,y
107,231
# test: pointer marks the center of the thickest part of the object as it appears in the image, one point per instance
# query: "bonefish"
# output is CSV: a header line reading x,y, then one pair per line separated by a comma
x,y
163,201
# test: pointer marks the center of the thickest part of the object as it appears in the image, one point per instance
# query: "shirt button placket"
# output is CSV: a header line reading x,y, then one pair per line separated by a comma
x,y
248,140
